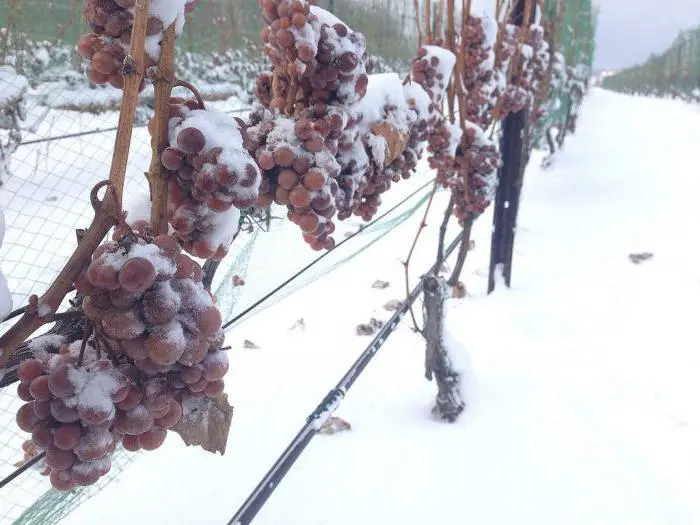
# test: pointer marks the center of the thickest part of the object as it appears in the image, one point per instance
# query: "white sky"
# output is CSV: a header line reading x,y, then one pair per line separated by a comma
x,y
630,30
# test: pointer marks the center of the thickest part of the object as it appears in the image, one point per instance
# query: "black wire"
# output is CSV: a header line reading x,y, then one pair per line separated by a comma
x,y
99,130
315,261
325,409
23,468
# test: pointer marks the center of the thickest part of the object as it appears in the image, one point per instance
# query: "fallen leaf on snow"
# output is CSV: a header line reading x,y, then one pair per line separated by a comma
x,y
335,425
637,258
380,285
250,345
299,324
393,305
369,328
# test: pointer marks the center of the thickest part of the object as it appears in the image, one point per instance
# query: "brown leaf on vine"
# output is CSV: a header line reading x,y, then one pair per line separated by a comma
x,y
206,423
396,141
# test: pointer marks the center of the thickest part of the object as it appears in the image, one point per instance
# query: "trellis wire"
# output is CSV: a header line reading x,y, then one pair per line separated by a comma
x,y
315,421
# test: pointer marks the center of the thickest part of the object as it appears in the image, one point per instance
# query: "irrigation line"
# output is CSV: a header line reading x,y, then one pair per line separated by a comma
x,y
306,268
100,130
252,505
22,469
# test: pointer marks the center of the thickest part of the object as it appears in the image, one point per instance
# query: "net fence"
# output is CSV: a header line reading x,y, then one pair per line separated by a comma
x,y
675,72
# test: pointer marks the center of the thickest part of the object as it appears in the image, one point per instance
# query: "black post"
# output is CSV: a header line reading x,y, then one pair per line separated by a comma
x,y
510,178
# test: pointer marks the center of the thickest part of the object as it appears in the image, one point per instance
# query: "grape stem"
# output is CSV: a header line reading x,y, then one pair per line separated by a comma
x,y
106,213
157,178
132,81
86,335
406,263
184,83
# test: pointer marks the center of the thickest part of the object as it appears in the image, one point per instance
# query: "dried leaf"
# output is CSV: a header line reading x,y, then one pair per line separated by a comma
x,y
396,141
369,328
299,324
380,285
335,425
393,305
250,345
459,291
205,423
637,258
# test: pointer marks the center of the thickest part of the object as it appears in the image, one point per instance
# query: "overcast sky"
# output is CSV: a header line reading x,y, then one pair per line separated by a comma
x,y
629,30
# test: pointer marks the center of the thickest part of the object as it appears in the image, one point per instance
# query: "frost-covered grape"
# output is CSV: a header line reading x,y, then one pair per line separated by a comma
x,y
29,369
137,275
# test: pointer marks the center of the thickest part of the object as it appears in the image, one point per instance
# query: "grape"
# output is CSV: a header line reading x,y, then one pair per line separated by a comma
x,y
23,392
209,320
60,412
61,480
60,383
195,350
191,140
102,275
26,418
152,439
132,400
59,459
135,421
137,275
215,388
67,437
42,409
42,436
123,325
172,416
29,369
93,445
85,473
131,443
166,347
94,416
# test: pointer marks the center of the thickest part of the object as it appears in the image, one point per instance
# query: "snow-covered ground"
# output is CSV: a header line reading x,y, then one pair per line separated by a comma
x,y
585,405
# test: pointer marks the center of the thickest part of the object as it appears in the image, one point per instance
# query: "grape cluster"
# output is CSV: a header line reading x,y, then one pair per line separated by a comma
x,y
315,58
478,77
393,128
156,344
111,22
212,177
541,72
299,166
70,411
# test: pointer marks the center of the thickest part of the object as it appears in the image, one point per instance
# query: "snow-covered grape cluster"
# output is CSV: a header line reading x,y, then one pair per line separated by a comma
x,y
299,169
302,132
315,57
328,138
392,130
479,77
155,345
212,177
111,22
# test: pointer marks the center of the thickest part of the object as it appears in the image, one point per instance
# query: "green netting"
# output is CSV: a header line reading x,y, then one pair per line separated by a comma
x,y
674,72
54,505
570,27
223,25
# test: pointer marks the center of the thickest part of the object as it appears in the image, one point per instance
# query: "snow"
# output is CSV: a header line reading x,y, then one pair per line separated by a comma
x,y
587,387
5,295
12,85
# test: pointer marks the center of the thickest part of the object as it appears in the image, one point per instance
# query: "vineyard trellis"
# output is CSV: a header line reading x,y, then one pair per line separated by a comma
x,y
286,97
675,72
